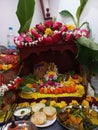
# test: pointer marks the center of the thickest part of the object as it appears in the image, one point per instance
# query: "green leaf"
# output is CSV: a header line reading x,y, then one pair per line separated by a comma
x,y
80,9
68,14
87,42
88,58
25,11
26,89
87,26
88,53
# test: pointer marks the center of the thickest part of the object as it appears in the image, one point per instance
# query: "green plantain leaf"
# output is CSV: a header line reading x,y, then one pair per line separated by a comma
x,y
68,14
25,11
80,9
87,42
88,57
87,26
88,53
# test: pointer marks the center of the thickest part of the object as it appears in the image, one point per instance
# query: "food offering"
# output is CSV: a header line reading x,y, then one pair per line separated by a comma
x,y
43,117
78,117
53,84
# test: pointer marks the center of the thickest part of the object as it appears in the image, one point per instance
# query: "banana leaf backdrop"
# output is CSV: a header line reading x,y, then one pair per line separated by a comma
x,y
25,12
87,48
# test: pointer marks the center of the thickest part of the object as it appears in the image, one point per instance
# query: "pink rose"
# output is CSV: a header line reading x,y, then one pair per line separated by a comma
x,y
35,34
85,33
20,38
77,33
57,25
68,37
48,40
40,27
28,39
23,34
56,37
64,28
48,23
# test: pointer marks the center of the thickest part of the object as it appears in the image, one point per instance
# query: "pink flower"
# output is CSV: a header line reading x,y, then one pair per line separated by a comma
x,y
63,28
35,34
68,37
20,38
48,23
28,39
48,40
56,37
77,33
23,34
85,33
57,25
40,27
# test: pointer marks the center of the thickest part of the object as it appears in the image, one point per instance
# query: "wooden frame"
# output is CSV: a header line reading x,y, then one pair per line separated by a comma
x,y
45,9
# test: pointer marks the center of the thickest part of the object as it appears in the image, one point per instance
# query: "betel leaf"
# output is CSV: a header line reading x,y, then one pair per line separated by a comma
x,y
68,14
80,10
25,11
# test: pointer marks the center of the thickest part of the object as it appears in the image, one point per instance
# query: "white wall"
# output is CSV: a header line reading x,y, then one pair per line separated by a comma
x,y
8,18
8,15
90,13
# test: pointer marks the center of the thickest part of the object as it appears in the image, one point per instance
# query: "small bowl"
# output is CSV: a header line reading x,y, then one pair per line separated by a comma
x,y
22,113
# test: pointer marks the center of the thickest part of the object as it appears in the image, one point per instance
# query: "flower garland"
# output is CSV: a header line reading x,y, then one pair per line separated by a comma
x,y
48,33
11,85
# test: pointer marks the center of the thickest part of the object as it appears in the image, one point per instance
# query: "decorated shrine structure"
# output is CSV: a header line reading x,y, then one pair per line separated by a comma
x,y
63,55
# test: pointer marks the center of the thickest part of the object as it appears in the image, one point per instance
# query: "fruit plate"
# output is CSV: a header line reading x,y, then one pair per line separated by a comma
x,y
78,118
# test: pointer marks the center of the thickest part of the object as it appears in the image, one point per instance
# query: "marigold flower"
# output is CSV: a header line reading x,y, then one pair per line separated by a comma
x,y
73,102
48,32
70,27
80,89
53,103
85,103
43,101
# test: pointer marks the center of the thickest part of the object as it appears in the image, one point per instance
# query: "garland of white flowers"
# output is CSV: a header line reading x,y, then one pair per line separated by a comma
x,y
9,86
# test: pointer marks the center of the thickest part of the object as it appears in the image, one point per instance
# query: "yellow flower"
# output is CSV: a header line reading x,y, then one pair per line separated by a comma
x,y
63,104
53,103
48,31
6,67
59,105
85,103
24,104
88,98
43,101
33,103
73,102
9,66
80,89
29,85
70,27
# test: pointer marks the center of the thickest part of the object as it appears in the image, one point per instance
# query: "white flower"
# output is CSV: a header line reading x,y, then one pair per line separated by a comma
x,y
3,88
